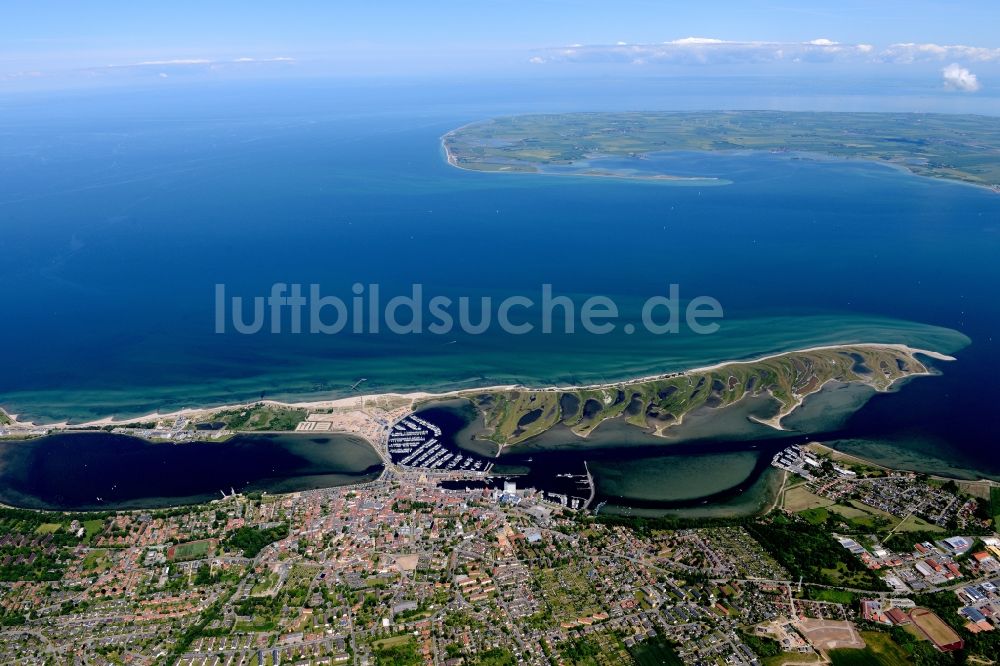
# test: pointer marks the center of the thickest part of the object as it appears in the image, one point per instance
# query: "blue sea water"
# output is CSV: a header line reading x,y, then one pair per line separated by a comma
x,y
120,212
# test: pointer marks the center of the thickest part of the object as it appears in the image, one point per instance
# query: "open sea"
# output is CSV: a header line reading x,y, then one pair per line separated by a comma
x,y
121,211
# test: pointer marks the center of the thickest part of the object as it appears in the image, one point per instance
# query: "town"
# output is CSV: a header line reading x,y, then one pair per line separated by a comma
x,y
403,571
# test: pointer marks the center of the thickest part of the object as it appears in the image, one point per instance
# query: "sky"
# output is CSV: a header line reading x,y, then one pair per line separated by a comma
x,y
67,42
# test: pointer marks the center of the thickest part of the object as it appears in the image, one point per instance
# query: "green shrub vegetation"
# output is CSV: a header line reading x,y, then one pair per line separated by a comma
x,y
762,646
261,416
397,653
809,552
494,657
995,505
252,540
656,651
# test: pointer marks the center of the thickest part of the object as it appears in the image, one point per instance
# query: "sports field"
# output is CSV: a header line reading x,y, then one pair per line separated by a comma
x,y
193,550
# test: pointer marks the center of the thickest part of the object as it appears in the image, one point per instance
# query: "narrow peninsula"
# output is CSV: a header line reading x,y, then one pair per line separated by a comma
x,y
659,403
514,414
963,148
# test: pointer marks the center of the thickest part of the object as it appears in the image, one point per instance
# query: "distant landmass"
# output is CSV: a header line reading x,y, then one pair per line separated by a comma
x,y
964,148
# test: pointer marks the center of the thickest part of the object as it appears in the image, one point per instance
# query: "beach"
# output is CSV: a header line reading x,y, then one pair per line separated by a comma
x,y
413,398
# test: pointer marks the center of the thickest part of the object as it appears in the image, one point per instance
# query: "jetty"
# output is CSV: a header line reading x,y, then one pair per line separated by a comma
x,y
593,486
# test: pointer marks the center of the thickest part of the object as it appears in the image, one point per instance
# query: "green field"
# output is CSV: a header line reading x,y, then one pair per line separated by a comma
x,y
863,518
833,596
917,524
392,641
880,650
260,416
854,516
193,550
955,147
817,516
397,651
92,528
798,499
48,528
96,560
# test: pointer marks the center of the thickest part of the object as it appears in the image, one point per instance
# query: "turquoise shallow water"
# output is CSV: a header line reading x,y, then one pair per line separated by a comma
x,y
633,470
240,369
119,219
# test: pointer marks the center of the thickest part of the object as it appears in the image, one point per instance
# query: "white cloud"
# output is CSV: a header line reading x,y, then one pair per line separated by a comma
x,y
711,51
707,51
166,68
157,63
203,62
909,53
959,78
696,40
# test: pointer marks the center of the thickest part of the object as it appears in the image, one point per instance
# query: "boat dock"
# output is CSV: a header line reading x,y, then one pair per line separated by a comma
x,y
415,443
593,486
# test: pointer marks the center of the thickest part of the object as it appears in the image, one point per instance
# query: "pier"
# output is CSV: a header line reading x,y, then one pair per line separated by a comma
x,y
593,486
416,443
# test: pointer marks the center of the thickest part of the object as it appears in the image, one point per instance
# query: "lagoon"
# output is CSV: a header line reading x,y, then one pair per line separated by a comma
x,y
120,219
102,471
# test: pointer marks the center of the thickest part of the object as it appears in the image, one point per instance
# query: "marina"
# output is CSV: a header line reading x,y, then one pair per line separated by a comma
x,y
415,442
615,469
500,334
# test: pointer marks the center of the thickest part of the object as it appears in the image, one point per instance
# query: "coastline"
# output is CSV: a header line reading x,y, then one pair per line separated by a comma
x,y
837,454
773,503
713,181
775,421
136,510
415,397
406,402
708,180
